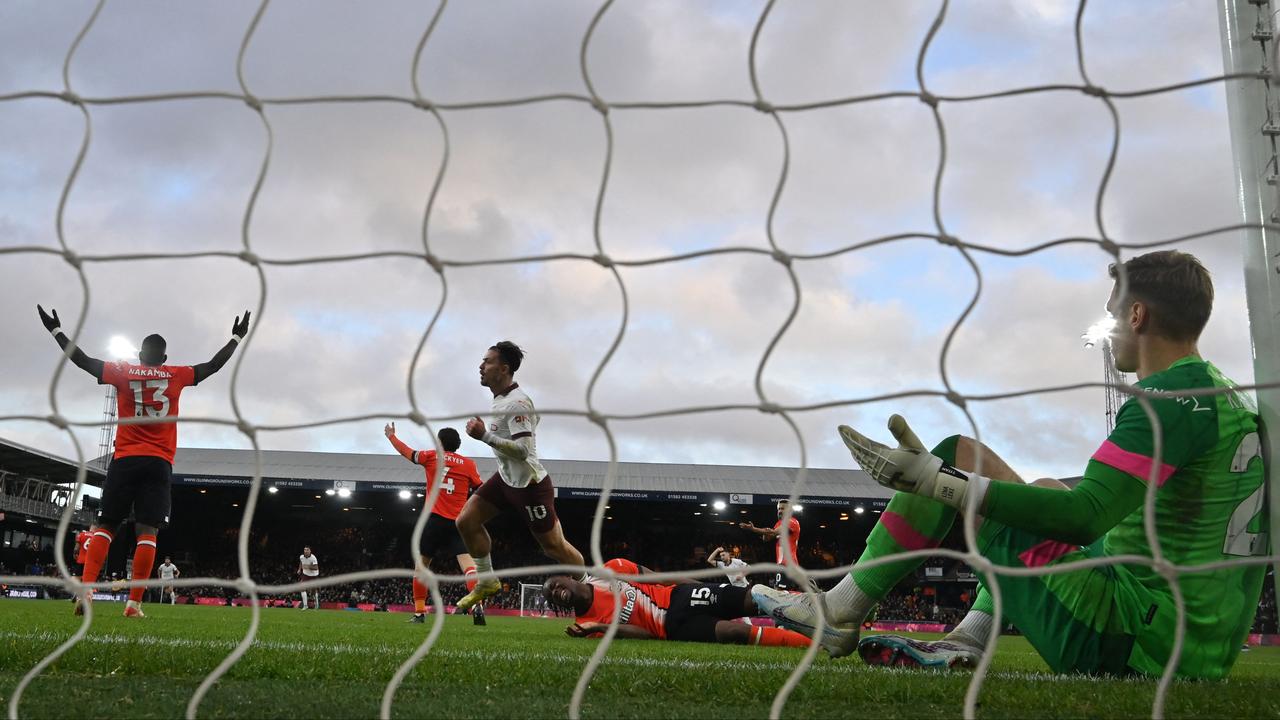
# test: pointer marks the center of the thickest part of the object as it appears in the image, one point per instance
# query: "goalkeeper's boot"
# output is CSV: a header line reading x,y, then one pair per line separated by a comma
x,y
133,609
795,611
900,651
418,618
484,590
477,615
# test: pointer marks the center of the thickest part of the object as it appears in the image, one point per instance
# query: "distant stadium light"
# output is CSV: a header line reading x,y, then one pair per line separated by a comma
x,y
344,493
1099,331
697,513
797,508
273,489
405,494
330,492
859,510
119,348
719,505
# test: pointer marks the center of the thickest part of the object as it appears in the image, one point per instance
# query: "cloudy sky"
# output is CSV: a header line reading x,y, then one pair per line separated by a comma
x,y
337,339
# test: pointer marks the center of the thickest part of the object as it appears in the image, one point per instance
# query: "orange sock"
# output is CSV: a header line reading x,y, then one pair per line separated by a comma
x,y
144,556
419,597
470,574
777,637
96,554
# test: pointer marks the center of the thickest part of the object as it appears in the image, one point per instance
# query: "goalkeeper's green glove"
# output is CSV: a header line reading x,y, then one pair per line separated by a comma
x,y
910,467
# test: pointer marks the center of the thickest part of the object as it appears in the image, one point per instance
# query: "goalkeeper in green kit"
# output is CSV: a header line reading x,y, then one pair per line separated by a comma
x,y
1114,619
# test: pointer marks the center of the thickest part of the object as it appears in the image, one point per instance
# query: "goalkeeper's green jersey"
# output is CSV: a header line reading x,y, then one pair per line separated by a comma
x,y
1209,507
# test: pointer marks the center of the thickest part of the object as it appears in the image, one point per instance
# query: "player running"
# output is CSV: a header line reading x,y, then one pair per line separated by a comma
x,y
734,567
688,611
782,555
169,571
308,568
1115,619
142,464
441,533
521,484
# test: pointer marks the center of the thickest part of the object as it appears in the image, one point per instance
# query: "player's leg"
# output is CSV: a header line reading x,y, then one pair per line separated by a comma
x,y
484,505
117,498
468,567
151,511
910,522
539,505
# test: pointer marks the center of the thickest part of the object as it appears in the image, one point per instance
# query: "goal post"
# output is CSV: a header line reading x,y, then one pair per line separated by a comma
x,y
1249,47
532,601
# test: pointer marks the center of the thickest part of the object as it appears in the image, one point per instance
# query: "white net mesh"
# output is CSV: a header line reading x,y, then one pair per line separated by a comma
x,y
787,261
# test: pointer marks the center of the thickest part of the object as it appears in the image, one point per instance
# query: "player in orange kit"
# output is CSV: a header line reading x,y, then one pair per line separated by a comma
x,y
142,464
687,611
441,533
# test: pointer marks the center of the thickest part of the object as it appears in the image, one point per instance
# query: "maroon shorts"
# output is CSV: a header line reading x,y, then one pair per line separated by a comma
x,y
535,503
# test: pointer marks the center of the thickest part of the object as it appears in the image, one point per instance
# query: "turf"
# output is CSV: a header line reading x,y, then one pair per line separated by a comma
x,y
326,664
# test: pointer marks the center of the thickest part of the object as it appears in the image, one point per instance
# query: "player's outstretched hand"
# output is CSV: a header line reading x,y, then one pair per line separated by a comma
x,y
907,467
389,430
586,629
475,428
50,319
747,525
240,326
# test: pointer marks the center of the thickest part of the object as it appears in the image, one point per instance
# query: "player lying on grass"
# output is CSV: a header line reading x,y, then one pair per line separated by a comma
x,y
1114,619
689,611
142,464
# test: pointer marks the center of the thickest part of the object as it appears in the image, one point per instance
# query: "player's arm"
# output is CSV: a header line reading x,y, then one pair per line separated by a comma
x,y
519,447
766,534
408,452
91,365
625,632
711,559
239,328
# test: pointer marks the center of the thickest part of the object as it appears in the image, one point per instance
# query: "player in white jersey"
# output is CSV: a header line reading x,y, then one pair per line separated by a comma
x,y
734,567
168,571
308,568
521,484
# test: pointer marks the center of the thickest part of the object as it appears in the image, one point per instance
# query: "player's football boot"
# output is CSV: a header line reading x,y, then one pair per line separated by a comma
x,y
794,611
418,618
81,601
133,609
484,590
899,651
477,615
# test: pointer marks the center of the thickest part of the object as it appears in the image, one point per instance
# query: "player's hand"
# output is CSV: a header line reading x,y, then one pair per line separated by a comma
x,y
475,428
240,326
51,321
747,526
389,430
905,467
587,629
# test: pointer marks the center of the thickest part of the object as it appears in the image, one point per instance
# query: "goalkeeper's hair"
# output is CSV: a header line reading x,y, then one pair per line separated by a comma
x,y
449,439
1176,286
510,354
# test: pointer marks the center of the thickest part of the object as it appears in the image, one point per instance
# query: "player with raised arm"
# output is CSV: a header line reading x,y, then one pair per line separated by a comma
x,y
521,484
308,568
441,533
687,611
1204,456
782,555
169,571
734,567
142,464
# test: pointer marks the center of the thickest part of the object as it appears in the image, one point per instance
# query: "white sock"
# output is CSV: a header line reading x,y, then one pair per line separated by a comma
x,y
847,603
484,564
974,629
304,599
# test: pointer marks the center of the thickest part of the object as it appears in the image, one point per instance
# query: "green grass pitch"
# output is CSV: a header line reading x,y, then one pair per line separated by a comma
x,y
333,664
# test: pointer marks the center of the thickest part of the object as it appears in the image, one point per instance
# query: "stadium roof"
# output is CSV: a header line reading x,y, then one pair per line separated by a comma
x,y
29,462
205,466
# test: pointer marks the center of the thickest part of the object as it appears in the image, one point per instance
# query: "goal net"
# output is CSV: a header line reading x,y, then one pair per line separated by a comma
x,y
723,228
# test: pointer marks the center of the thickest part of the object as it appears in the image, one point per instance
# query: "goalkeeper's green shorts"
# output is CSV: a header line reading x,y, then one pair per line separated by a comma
x,y
1081,621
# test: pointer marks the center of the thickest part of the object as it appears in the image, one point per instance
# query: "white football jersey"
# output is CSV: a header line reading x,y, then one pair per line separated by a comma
x,y
310,565
733,571
513,419
167,570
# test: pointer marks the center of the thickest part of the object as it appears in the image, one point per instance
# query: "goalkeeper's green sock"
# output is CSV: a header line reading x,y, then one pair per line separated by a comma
x,y
910,522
